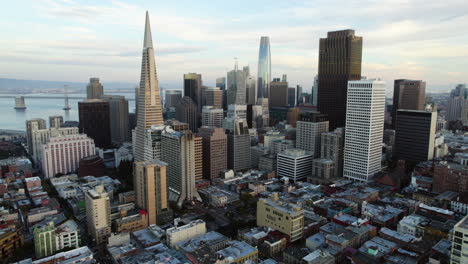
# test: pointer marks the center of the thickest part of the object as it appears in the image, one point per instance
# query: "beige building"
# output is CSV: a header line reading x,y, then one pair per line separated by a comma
x,y
212,117
322,169
198,157
177,234
214,151
98,213
94,89
282,216
151,190
31,125
459,253
55,121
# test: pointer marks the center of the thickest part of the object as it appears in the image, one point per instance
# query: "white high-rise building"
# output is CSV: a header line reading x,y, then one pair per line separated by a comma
x,y
365,111
458,105
41,136
149,111
62,154
295,164
212,117
236,87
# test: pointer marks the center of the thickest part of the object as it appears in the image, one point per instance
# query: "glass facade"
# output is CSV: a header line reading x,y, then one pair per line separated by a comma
x,y
264,68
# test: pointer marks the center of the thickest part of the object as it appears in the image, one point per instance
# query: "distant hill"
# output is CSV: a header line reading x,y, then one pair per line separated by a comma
x,y
20,86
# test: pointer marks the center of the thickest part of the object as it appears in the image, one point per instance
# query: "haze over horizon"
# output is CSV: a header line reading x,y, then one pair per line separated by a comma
x,y
66,40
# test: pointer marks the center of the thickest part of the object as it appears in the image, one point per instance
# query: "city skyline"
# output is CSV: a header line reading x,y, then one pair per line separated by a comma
x,y
78,41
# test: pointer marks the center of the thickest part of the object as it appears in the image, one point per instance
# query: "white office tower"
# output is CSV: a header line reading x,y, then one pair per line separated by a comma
x,y
149,111
295,164
239,111
364,129
309,130
178,149
62,154
212,117
41,136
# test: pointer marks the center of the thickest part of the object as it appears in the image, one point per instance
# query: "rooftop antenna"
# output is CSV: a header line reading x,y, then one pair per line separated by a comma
x,y
66,107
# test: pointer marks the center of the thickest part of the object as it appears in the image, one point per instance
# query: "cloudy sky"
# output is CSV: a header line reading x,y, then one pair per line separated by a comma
x,y
72,40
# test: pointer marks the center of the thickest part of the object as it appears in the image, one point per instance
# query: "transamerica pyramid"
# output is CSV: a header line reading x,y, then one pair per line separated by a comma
x,y
149,111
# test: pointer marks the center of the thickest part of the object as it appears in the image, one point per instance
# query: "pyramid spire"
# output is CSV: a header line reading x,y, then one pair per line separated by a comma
x,y
148,42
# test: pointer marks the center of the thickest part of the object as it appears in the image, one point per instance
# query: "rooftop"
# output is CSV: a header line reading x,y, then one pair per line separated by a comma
x,y
237,249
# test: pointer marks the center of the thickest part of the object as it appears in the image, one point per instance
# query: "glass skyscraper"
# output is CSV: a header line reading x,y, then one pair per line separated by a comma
x,y
264,68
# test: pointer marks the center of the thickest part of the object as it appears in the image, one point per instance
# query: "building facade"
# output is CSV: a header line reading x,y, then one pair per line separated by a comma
x,y
295,164
42,136
415,134
151,189
98,213
236,87
214,97
212,117
459,251
187,112
238,144
63,154
55,121
171,98
214,151
94,89
178,150
278,94
309,130
340,56
31,125
282,216
364,129
118,109
94,115
408,95
193,88
332,148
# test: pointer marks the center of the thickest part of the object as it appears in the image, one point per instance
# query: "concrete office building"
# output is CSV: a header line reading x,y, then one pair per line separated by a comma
x,y
340,56
239,111
187,112
285,217
98,214
255,153
198,158
31,125
55,121
295,164
278,94
291,96
251,90
149,111
178,150
151,190
63,154
332,148
212,117
94,117
261,117
193,89
264,68
415,134
214,151
409,95
177,234
238,144
94,90
271,135
214,97
299,99
364,129
172,97
459,251
42,136
309,130
322,169
314,94
118,109
458,105
236,87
